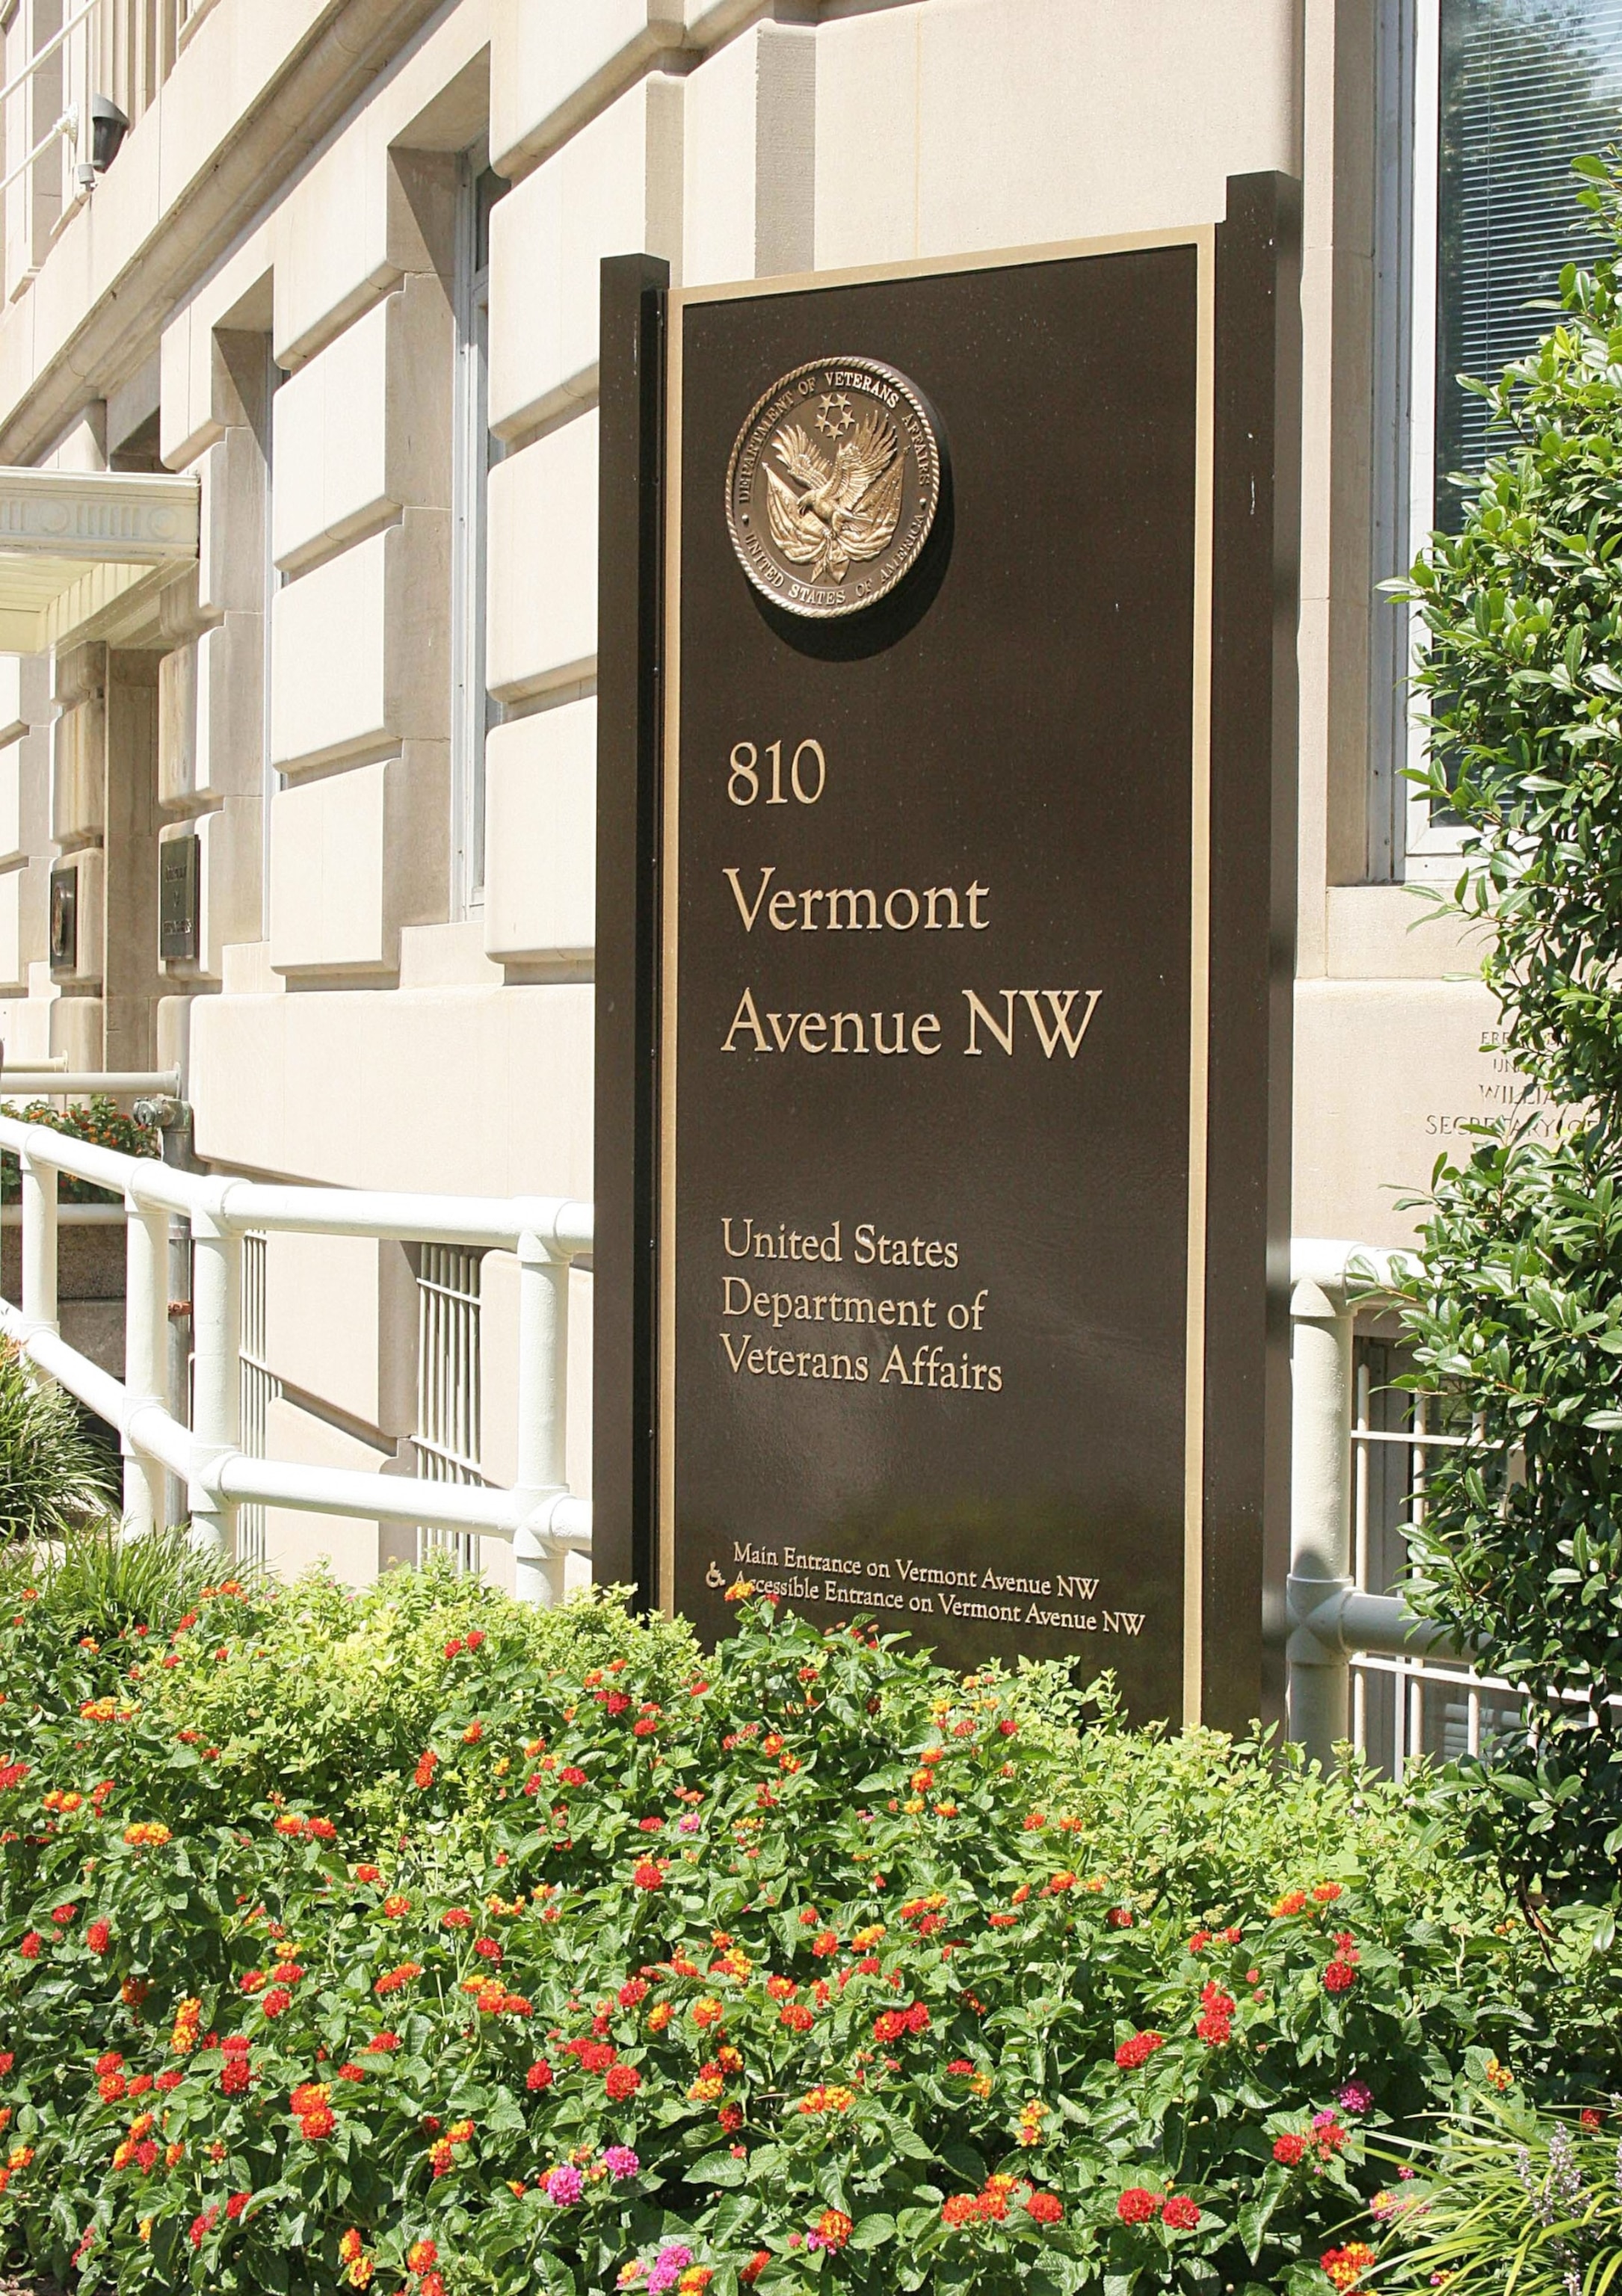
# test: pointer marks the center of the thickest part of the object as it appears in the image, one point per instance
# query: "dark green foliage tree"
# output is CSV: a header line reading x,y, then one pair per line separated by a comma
x,y
1516,1314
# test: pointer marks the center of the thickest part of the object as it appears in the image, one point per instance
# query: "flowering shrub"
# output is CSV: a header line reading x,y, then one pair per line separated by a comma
x,y
806,1963
99,1120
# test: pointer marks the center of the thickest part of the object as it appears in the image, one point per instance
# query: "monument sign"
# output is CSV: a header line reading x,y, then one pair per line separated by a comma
x,y
943,909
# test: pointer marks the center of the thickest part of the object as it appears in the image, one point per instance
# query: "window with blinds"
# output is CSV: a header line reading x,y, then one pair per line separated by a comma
x,y
1523,87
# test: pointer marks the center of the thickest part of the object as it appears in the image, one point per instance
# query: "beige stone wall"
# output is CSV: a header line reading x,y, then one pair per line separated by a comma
x,y
286,211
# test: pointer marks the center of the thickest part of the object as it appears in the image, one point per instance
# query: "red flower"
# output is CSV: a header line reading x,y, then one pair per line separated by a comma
x,y
634,1989
62,1915
422,1776
171,2080
1289,2149
202,2226
756,2264
30,1947
645,1728
1119,1918
476,1639
1180,2212
1136,2206
234,2076
98,1937
799,2019
571,1775
540,2075
453,1649
622,2081
351,2072
1339,1977
236,2205
384,2042
277,2000
962,2209
917,2017
1138,2050
1327,1892
488,1949
457,1919
111,2088
317,2122
1046,2208
833,2228
647,1874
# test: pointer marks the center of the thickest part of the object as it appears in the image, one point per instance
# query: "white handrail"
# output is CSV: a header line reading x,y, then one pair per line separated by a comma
x,y
56,1083
48,48
539,1514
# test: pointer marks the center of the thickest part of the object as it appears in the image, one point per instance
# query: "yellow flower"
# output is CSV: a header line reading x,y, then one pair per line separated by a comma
x,y
144,2228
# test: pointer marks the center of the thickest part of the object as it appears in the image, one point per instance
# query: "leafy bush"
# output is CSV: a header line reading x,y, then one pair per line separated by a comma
x,y
99,1120
1514,2200
806,1964
52,1476
1516,1314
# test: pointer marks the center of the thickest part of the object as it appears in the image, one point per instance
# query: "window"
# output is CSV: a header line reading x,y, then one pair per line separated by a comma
x,y
1483,105
473,713
1405,1710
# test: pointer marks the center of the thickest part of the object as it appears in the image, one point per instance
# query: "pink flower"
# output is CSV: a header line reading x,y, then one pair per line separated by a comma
x,y
668,2267
1356,2096
621,2162
563,2186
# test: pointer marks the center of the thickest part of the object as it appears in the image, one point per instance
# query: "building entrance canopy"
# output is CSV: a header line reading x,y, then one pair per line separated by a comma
x,y
75,545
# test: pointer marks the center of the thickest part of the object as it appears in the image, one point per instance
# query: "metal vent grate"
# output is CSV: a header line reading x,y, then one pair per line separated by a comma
x,y
259,1390
447,1436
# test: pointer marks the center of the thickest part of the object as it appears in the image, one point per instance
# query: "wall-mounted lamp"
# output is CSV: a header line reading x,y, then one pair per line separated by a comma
x,y
108,128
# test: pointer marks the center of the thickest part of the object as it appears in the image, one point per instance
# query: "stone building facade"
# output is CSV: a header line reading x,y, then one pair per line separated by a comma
x,y
343,271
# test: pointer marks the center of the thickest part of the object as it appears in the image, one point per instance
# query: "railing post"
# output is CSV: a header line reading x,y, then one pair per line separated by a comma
x,y
542,1405
38,1245
1320,1511
216,1261
146,1285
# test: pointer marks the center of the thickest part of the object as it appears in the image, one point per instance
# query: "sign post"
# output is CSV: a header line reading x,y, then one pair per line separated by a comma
x,y
965,784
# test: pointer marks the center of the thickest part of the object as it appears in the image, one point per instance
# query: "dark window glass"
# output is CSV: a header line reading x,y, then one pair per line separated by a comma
x,y
1526,87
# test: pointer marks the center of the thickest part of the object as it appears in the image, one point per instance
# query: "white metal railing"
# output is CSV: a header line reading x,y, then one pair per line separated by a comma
x,y
539,1514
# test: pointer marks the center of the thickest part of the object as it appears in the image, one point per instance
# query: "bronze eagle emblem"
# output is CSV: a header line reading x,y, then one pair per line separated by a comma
x,y
835,513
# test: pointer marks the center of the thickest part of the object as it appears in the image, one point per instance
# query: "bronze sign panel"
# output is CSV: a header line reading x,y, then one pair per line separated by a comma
x,y
967,834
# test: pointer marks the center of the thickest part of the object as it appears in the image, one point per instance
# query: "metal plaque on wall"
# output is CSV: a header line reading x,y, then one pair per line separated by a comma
x,y
946,782
64,919
178,878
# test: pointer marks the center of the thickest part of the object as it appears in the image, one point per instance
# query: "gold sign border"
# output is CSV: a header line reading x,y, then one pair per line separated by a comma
x,y
1202,238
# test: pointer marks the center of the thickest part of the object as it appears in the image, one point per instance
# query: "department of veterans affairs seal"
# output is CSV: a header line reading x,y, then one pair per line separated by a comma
x,y
833,486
